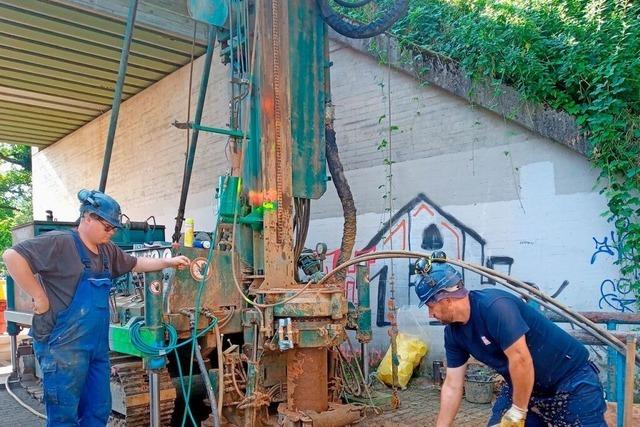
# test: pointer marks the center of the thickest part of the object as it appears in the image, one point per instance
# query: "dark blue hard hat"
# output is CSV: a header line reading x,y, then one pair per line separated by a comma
x,y
441,278
104,206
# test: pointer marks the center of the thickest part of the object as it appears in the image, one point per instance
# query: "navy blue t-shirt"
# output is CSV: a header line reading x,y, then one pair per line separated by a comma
x,y
498,319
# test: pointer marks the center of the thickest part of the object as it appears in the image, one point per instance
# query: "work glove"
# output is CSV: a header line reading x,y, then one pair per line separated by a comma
x,y
514,417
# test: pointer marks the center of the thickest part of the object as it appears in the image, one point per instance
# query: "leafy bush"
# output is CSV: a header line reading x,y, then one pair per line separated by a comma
x,y
580,56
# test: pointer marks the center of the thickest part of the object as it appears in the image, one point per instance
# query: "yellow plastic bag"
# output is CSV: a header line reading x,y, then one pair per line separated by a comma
x,y
411,350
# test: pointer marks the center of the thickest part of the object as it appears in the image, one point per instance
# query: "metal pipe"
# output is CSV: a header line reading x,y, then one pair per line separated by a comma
x,y
364,332
154,390
546,302
153,322
606,317
577,317
588,339
13,329
629,377
364,350
117,96
515,285
254,352
620,404
230,132
14,354
250,385
188,167
493,275
220,370
611,367
153,301
207,382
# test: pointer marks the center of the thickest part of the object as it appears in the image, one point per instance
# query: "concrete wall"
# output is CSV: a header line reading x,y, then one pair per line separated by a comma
x,y
487,189
148,155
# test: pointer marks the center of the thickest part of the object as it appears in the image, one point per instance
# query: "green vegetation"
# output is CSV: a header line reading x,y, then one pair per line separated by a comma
x,y
580,56
15,189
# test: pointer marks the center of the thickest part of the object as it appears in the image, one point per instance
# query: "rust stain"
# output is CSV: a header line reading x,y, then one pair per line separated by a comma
x,y
307,374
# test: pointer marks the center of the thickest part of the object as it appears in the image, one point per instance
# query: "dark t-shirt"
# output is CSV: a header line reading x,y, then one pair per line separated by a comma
x,y
53,257
498,319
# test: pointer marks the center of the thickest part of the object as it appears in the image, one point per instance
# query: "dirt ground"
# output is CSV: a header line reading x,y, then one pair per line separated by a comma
x,y
419,405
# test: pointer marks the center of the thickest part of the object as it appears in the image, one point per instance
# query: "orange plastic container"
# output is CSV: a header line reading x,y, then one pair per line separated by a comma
x,y
3,323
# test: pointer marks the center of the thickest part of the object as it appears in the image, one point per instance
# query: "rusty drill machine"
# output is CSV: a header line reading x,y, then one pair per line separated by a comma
x,y
257,279
253,316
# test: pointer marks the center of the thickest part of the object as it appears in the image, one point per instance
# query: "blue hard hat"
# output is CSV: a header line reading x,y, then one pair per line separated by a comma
x,y
440,278
104,206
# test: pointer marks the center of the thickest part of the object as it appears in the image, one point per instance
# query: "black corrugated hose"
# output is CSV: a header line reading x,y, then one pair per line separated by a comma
x,y
346,199
362,31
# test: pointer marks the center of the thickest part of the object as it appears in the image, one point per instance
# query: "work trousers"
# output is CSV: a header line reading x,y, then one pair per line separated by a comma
x,y
578,401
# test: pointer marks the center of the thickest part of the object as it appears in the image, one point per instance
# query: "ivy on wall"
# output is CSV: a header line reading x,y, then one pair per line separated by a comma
x,y
580,56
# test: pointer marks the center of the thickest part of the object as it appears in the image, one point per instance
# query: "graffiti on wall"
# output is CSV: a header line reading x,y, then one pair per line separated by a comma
x,y
420,225
615,293
423,226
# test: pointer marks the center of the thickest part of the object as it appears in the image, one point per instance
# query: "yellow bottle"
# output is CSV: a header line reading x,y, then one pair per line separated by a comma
x,y
188,232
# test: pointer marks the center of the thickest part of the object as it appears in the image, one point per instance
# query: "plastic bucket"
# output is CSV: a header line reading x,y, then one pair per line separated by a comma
x,y
478,390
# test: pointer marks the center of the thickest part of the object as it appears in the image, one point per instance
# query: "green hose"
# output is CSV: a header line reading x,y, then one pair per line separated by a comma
x,y
153,350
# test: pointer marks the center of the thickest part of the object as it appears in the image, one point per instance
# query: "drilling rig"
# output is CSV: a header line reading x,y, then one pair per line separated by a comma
x,y
252,321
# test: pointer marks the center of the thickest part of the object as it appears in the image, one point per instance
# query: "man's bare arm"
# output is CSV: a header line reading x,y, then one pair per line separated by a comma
x,y
451,396
144,264
521,371
21,272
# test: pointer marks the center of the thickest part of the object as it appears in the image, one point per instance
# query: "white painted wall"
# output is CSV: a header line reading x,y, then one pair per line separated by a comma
x,y
512,193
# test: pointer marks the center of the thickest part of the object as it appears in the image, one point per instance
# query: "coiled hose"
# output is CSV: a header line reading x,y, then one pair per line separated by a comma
x,y
155,350
362,31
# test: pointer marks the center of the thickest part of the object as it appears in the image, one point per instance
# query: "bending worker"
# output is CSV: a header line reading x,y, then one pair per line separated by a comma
x,y
70,327
549,378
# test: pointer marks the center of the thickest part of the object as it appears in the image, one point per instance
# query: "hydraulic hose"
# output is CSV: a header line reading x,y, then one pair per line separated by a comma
x,y
346,199
338,177
209,387
352,5
153,350
362,31
513,284
20,402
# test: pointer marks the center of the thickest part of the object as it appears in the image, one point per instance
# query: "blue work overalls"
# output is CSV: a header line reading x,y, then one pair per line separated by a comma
x,y
75,358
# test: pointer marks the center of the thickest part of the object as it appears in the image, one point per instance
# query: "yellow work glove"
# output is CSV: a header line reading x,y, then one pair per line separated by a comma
x,y
514,417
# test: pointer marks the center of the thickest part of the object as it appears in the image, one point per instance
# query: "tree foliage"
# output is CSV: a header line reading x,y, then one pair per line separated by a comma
x,y
580,56
15,189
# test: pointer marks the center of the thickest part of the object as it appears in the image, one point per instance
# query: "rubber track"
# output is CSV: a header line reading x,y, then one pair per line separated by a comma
x,y
128,374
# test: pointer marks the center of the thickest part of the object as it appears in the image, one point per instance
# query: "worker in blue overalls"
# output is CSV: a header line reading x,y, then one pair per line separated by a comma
x,y
549,380
68,275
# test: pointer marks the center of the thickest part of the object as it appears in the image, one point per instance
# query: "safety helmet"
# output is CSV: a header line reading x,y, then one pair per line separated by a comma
x,y
440,278
104,206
